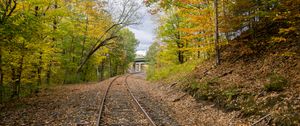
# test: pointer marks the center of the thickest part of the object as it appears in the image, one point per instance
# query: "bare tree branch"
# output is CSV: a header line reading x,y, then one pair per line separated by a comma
x,y
127,16
103,43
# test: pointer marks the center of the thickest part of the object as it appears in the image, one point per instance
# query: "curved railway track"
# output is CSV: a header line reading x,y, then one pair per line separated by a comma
x,y
125,102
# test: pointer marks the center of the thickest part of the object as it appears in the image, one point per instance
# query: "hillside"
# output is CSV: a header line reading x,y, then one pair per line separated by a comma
x,y
256,83
241,56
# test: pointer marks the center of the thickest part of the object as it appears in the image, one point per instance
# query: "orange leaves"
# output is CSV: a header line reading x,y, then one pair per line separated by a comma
x,y
197,2
198,24
278,39
189,28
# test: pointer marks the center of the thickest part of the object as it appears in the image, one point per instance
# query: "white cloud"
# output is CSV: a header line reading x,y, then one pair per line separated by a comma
x,y
142,35
144,32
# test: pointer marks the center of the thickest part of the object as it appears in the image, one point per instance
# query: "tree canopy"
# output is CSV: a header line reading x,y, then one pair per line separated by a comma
x,y
194,29
58,41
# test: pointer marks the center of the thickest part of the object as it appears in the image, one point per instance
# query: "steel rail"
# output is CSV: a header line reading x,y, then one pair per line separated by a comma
x,y
103,101
138,104
132,96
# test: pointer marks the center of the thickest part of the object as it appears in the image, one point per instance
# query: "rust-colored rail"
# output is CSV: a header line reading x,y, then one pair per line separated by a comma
x,y
138,104
103,101
132,96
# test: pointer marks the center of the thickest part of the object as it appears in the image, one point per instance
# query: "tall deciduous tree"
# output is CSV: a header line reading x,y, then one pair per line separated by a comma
x,y
217,48
46,41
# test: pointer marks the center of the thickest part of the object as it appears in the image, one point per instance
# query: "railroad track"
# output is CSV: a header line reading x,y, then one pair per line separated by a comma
x,y
121,107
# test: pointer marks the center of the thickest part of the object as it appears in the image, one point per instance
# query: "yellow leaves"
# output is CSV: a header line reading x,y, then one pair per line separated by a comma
x,y
194,2
278,39
289,54
285,31
87,7
206,48
165,58
195,25
189,30
279,17
297,15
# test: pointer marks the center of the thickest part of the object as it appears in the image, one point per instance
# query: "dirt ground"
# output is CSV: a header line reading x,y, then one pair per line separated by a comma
x,y
79,105
63,105
183,108
120,109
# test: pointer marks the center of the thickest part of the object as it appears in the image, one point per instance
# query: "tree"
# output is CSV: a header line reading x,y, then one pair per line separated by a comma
x,y
195,32
170,34
217,33
152,53
128,15
48,41
256,21
6,10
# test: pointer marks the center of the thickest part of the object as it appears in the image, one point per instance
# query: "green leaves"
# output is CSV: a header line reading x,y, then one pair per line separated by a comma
x,y
46,41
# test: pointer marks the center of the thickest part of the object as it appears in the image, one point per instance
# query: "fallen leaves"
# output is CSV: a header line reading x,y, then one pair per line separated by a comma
x,y
62,105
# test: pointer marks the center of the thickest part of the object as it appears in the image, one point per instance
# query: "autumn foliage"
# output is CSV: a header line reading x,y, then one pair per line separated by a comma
x,y
44,42
188,27
260,55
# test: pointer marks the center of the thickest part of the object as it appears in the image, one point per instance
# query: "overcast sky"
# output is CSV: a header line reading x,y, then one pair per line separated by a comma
x,y
144,32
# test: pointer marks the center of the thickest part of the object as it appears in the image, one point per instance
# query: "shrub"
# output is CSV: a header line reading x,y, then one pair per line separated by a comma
x,y
231,93
173,70
276,83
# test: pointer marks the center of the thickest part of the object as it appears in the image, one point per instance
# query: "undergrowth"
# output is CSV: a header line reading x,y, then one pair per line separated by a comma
x,y
276,83
234,97
155,74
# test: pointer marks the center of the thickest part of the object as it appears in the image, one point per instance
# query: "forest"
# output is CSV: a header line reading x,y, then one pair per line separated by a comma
x,y
196,29
237,57
241,55
51,42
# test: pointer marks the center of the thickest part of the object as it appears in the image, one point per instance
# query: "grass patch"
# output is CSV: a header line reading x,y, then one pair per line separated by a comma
x,y
276,83
154,74
237,96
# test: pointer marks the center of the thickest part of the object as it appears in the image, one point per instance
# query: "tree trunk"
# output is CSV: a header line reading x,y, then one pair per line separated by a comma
x,y
116,70
180,53
199,53
19,73
72,50
110,67
102,71
39,72
180,57
225,20
123,68
1,78
85,37
217,33
48,75
102,43
14,86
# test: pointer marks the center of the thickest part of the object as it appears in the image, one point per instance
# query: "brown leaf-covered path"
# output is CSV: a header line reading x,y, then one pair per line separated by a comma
x,y
79,105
